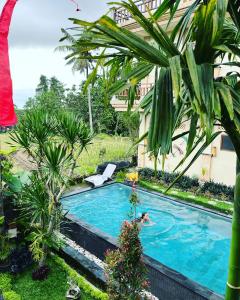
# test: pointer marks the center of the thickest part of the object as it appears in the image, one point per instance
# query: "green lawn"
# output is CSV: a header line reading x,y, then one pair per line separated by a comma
x,y
215,204
53,288
5,147
117,148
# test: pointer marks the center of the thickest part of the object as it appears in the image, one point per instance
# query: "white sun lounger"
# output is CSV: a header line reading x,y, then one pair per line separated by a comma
x,y
98,180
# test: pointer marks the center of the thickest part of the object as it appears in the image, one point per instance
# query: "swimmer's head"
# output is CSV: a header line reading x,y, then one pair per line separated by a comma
x,y
145,217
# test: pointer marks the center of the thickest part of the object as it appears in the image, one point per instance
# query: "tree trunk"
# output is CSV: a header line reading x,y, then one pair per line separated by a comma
x,y
116,127
233,283
89,103
42,261
45,247
90,108
155,166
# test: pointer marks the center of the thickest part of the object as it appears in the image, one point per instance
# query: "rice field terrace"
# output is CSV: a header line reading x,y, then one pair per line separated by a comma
x,y
103,148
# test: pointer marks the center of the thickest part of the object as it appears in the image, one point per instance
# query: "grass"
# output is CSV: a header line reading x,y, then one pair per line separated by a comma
x,y
54,287
117,148
5,147
215,204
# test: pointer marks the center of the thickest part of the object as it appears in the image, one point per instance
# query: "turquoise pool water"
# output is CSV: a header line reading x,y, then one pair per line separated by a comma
x,y
186,239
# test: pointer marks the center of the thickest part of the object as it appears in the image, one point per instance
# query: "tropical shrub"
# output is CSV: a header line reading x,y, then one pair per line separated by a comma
x,y
11,183
120,176
186,183
11,295
6,287
125,268
5,282
218,190
53,143
51,95
126,272
5,245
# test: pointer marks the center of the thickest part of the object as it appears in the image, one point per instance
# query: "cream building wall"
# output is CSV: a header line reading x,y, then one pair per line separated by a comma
x,y
216,164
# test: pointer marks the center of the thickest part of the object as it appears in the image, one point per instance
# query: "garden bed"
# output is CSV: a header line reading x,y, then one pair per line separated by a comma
x,y
207,189
55,287
215,204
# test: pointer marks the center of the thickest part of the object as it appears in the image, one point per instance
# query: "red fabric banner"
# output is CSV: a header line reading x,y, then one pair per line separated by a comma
x,y
7,114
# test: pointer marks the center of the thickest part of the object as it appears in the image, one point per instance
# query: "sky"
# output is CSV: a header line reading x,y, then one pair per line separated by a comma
x,y
34,34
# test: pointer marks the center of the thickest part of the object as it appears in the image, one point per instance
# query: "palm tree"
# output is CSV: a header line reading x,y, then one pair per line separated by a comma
x,y
80,64
185,88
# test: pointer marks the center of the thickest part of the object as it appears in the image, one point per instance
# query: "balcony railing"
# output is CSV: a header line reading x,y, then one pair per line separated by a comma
x,y
121,15
142,91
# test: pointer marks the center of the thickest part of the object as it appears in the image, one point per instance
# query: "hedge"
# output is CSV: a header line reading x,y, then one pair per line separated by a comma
x,y
85,286
6,288
5,282
11,295
187,183
218,190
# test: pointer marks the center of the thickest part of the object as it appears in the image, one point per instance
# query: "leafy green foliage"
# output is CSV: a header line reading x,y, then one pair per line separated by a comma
x,y
6,288
5,247
88,289
105,118
50,141
50,95
125,269
190,197
185,183
120,176
220,191
54,287
5,282
11,183
126,272
11,295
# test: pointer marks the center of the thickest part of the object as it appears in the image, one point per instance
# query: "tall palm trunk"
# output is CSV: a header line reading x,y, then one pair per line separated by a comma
x,y
89,104
233,283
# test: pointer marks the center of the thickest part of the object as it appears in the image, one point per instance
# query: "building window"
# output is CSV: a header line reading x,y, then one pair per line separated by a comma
x,y
226,143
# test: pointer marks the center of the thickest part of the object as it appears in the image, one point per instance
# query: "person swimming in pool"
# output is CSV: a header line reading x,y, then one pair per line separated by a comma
x,y
144,219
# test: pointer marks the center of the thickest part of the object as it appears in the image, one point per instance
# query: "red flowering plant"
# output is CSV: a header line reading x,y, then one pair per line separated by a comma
x,y
125,270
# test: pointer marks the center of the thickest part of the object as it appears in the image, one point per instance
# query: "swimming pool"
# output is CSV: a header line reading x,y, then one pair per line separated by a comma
x,y
191,241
